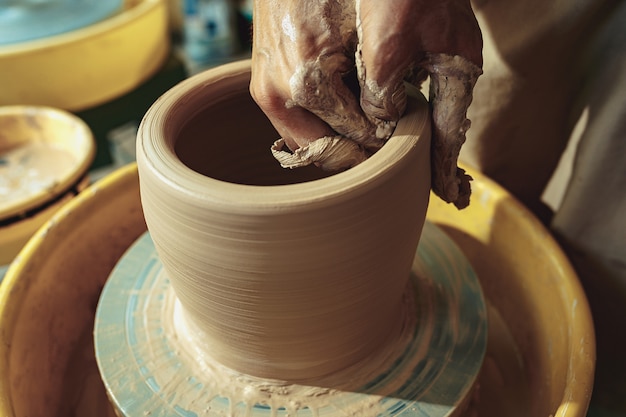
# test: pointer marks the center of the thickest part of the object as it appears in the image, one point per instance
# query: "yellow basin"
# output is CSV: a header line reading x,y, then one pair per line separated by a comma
x,y
89,66
540,355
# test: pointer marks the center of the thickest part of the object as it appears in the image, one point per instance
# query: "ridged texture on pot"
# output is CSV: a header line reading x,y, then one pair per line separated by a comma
x,y
282,275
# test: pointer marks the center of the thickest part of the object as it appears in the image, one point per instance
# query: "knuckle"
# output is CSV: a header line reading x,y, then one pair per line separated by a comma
x,y
305,86
311,87
266,96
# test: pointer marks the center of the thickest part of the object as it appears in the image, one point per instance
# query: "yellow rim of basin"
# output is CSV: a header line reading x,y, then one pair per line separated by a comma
x,y
13,290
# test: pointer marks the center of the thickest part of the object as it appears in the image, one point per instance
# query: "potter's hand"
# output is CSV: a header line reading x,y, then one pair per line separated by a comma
x,y
302,52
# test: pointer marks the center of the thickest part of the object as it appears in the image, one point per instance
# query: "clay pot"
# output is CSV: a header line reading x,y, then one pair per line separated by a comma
x,y
288,274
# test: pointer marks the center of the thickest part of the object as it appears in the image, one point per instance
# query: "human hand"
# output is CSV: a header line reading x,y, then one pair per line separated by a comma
x,y
305,52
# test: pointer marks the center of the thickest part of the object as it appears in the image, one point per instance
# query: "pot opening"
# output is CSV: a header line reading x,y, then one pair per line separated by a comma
x,y
230,141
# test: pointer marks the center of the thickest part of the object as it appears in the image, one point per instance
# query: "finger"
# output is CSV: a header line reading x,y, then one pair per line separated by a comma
x,y
297,126
385,53
310,139
451,88
318,87
453,30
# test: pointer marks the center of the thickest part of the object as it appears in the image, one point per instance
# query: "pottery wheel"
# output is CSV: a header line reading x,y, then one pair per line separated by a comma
x,y
429,370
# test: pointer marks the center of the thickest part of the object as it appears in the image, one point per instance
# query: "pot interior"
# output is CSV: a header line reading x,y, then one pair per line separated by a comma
x,y
230,140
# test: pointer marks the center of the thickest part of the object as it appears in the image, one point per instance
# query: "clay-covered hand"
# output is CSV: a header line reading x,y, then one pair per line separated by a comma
x,y
304,56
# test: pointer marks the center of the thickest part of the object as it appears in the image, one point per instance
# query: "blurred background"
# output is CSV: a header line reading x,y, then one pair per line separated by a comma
x,y
107,61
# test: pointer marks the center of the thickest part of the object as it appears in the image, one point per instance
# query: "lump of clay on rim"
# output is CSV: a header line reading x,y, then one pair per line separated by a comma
x,y
331,153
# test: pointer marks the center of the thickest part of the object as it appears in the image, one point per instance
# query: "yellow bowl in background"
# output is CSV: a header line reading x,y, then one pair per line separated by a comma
x,y
45,154
540,354
89,66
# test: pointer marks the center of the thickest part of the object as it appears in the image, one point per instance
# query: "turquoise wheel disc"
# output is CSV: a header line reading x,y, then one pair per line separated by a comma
x,y
429,370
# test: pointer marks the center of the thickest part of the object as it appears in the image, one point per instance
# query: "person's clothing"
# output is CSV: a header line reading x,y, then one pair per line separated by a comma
x,y
546,64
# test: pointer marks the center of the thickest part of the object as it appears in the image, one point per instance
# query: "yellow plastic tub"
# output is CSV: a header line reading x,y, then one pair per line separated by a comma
x,y
89,66
541,349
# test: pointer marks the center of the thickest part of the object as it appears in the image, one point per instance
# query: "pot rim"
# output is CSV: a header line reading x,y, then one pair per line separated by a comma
x,y
190,97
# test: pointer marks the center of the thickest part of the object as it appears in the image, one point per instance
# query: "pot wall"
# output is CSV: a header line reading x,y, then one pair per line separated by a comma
x,y
281,273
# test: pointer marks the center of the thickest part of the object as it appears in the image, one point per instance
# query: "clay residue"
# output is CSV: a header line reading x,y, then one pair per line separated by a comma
x,y
452,80
331,153
322,393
